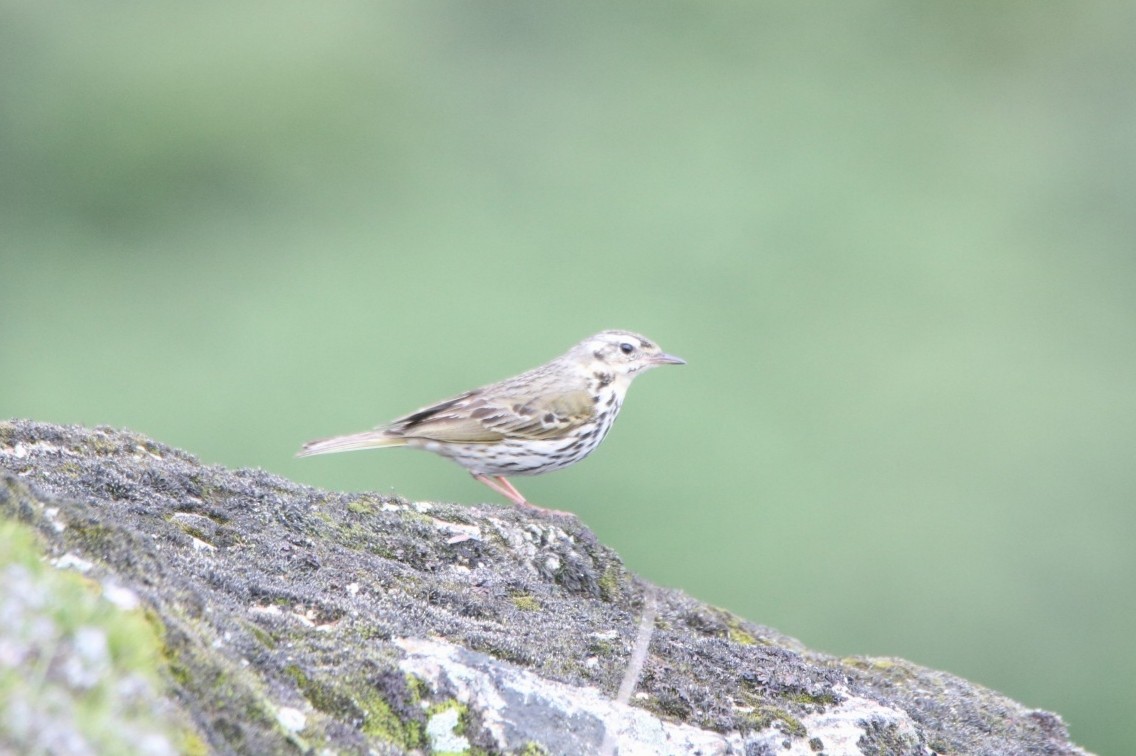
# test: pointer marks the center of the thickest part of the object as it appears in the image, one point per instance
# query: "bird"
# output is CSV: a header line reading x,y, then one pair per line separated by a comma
x,y
542,420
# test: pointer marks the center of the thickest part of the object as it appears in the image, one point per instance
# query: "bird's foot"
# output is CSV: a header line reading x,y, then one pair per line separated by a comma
x,y
501,485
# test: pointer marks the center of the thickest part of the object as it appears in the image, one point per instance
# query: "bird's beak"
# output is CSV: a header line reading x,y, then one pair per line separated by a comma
x,y
667,359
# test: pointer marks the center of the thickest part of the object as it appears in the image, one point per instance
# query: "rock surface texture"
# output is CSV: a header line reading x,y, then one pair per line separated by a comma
x,y
297,620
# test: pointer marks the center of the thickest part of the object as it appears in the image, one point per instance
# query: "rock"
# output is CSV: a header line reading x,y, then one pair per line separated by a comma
x,y
292,619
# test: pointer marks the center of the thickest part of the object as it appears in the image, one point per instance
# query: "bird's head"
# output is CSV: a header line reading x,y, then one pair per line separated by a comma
x,y
624,353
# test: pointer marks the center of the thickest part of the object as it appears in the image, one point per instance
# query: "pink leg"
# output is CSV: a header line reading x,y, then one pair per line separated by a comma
x,y
503,487
517,495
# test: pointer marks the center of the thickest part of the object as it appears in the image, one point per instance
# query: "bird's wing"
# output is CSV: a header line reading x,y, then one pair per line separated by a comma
x,y
483,417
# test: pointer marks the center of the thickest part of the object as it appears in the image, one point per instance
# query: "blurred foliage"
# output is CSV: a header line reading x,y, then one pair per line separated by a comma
x,y
78,672
894,241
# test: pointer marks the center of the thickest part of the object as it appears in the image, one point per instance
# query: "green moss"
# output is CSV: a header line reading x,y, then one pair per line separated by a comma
x,y
72,469
874,663
381,722
361,507
765,716
735,630
179,673
461,726
600,647
735,633
418,688
353,533
812,699
532,749
893,669
93,535
669,706
302,682
58,620
7,433
610,588
721,623
525,602
324,516
149,446
101,444
446,705
350,700
232,692
263,636
413,515
365,504
189,743
464,726
194,532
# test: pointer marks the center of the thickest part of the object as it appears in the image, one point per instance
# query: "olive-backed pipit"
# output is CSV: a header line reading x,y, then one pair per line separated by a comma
x,y
542,420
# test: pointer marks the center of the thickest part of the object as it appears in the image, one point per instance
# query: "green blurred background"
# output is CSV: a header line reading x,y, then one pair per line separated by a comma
x,y
895,242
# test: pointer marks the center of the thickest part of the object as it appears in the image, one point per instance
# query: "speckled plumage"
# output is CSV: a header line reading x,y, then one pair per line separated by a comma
x,y
542,420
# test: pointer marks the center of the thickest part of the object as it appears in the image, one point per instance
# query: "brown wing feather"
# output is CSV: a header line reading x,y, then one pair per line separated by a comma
x,y
475,417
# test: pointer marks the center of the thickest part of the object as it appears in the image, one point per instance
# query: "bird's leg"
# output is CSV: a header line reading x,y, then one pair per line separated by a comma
x,y
503,487
517,495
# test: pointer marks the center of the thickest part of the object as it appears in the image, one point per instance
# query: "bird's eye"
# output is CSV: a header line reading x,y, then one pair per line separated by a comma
x,y
626,348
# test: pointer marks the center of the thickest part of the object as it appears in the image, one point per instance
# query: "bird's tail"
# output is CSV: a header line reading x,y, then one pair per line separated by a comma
x,y
372,439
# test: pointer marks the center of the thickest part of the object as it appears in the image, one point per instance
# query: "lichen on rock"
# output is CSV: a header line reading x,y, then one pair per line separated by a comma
x,y
290,620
